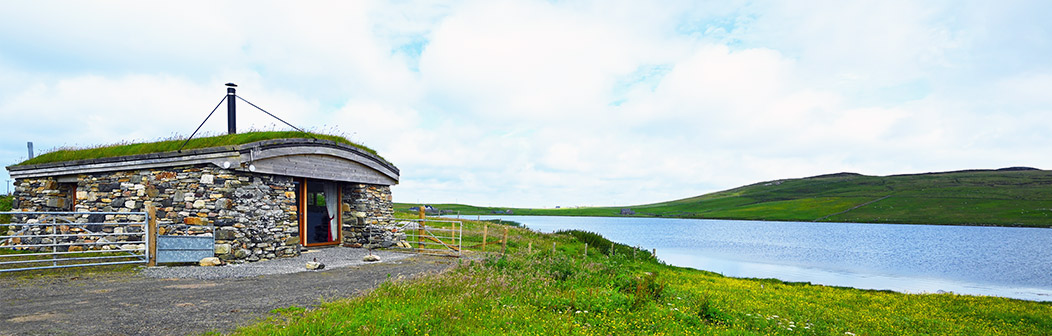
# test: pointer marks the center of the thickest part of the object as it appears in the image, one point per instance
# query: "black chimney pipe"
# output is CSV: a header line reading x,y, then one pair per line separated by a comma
x,y
231,109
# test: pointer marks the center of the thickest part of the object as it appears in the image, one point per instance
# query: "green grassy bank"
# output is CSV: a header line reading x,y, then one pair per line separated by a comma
x,y
533,290
5,205
979,197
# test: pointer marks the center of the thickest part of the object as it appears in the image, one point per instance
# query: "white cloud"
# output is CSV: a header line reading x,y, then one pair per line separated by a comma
x,y
533,61
528,103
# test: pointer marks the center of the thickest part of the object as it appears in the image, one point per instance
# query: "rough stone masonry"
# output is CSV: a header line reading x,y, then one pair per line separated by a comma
x,y
251,216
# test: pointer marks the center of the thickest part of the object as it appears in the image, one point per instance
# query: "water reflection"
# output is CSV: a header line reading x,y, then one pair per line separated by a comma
x,y
744,269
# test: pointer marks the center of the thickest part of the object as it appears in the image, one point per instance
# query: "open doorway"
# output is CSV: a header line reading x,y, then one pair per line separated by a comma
x,y
319,204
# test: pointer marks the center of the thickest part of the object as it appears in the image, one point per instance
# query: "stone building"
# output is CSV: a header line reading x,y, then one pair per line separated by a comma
x,y
259,200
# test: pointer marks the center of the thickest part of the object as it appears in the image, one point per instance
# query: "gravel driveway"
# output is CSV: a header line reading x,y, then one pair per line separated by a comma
x,y
192,299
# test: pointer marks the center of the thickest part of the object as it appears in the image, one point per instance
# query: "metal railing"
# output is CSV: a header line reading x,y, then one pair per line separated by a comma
x,y
46,240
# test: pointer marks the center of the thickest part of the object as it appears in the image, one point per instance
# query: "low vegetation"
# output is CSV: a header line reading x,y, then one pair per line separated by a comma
x,y
5,205
534,289
1012,197
174,143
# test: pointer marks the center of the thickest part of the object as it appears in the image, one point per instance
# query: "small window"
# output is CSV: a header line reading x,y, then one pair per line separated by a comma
x,y
67,197
316,199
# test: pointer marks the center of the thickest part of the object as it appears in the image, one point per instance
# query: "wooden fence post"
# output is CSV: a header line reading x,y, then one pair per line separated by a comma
x,y
151,245
586,250
504,242
529,248
485,234
654,253
553,248
420,231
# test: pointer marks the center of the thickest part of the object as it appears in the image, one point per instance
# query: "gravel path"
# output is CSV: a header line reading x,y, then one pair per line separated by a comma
x,y
331,257
193,300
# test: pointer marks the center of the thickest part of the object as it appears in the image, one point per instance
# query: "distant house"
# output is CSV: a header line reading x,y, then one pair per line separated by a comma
x,y
627,212
427,208
503,212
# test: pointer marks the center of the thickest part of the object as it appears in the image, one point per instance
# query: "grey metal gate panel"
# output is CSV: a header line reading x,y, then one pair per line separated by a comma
x,y
184,248
60,239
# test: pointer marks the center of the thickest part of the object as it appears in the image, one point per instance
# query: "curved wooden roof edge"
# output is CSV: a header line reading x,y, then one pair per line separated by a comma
x,y
238,157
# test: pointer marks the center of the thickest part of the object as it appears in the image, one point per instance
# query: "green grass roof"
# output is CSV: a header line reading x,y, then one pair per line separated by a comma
x,y
106,151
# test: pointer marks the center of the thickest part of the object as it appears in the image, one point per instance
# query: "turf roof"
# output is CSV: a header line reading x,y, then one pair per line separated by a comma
x,y
116,150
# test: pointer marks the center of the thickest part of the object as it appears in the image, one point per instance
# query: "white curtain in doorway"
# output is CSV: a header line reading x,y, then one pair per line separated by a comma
x,y
332,204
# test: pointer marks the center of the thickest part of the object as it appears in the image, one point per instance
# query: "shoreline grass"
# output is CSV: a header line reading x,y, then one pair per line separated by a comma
x,y
542,291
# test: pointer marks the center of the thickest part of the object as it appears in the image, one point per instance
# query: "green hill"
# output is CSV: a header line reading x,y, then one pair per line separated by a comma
x,y
1003,197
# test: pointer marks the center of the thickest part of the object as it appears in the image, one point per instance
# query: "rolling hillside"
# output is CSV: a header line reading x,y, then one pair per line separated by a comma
x,y
1004,197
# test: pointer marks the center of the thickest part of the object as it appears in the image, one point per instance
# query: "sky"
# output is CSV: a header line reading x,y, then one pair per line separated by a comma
x,y
551,103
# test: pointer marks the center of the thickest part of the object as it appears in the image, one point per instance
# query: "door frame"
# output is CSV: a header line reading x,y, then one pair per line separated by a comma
x,y
301,206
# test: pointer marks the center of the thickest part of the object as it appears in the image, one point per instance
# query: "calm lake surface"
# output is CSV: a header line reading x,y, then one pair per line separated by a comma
x,y
995,261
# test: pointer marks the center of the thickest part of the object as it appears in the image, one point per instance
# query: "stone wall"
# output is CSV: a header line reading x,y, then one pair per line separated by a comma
x,y
365,205
252,216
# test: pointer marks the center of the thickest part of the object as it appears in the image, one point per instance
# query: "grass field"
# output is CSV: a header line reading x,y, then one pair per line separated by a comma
x,y
539,291
980,197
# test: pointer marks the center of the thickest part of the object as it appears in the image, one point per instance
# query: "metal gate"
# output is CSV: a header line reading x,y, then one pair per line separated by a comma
x,y
44,240
425,235
433,236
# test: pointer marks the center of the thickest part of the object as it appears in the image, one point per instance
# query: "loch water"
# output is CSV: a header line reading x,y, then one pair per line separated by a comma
x,y
995,261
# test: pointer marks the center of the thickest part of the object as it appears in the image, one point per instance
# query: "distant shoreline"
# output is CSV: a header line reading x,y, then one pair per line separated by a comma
x,y
1014,197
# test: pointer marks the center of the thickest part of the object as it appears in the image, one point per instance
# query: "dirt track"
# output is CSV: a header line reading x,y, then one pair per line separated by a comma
x,y
126,303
